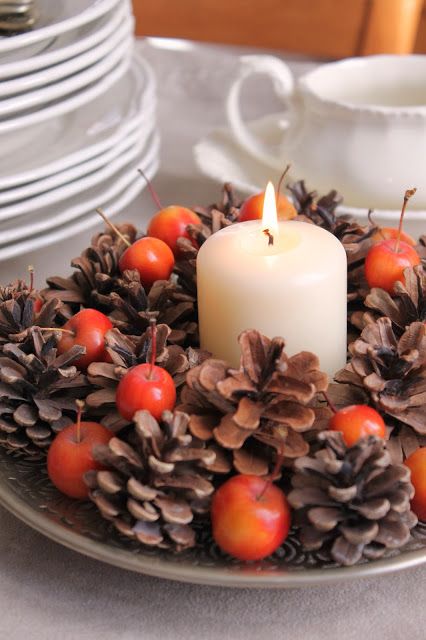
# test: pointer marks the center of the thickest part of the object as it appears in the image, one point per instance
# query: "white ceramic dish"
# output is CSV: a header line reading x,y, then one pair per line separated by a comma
x,y
54,74
57,18
113,201
63,142
69,104
31,58
139,132
219,156
39,203
30,103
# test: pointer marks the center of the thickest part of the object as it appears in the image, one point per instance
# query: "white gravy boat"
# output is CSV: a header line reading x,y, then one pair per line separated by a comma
x,y
358,125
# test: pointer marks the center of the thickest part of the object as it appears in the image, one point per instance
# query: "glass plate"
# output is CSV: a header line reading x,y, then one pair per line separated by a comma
x,y
27,493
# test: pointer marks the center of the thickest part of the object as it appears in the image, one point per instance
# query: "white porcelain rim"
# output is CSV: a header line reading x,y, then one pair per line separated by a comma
x,y
30,102
147,96
41,79
99,8
86,222
140,130
32,205
64,106
55,56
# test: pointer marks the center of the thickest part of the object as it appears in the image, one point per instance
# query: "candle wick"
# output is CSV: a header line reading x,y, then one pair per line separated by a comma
x,y
270,237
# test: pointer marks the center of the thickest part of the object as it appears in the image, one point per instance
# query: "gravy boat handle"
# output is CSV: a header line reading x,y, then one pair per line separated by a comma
x,y
283,83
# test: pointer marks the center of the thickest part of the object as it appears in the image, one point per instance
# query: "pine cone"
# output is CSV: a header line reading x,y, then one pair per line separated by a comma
x,y
13,290
320,211
407,305
95,267
18,316
156,482
258,409
391,370
352,501
223,213
126,352
131,310
38,389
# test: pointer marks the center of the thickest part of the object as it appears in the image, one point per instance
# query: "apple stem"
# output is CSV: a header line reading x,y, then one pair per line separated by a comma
x,y
71,333
152,191
153,324
273,476
112,226
407,196
329,402
80,407
283,175
270,237
31,272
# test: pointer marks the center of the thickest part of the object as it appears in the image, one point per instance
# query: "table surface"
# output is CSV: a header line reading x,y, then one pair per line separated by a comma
x,y
49,592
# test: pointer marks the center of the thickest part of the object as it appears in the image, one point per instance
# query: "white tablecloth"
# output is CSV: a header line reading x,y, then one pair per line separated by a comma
x,y
48,592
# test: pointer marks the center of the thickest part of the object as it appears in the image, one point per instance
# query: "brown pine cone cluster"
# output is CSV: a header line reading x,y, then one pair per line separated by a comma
x,y
156,483
126,352
38,389
353,501
261,410
406,305
98,283
18,315
392,370
94,269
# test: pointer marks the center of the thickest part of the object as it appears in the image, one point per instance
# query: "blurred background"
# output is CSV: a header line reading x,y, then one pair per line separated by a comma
x,y
317,28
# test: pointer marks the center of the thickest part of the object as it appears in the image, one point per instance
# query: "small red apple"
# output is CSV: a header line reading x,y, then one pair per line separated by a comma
x,y
358,421
151,257
146,386
385,264
416,462
86,328
70,456
252,208
250,517
386,261
170,223
391,233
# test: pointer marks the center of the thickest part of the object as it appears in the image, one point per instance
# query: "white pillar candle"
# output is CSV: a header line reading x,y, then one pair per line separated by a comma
x,y
294,288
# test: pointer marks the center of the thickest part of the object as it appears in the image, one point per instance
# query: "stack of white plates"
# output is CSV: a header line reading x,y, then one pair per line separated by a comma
x,y
77,119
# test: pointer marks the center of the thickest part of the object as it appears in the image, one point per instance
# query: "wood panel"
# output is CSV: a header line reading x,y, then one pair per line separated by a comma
x,y
391,26
420,44
323,28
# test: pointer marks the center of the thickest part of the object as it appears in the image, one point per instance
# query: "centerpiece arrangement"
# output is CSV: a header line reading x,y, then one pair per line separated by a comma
x,y
176,442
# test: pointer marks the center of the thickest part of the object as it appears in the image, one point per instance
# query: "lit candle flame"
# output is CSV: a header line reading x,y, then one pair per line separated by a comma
x,y
269,218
